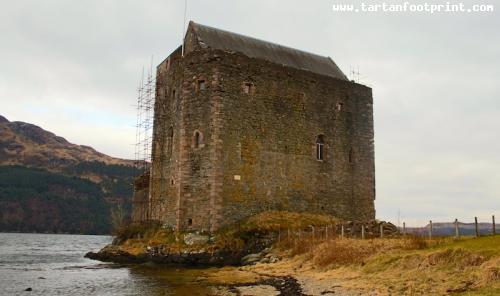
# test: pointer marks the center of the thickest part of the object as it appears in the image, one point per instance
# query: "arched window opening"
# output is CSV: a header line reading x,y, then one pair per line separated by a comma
x,y
190,222
197,139
320,147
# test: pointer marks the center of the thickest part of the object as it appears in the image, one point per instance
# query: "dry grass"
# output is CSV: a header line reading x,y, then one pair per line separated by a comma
x,y
350,251
402,266
281,220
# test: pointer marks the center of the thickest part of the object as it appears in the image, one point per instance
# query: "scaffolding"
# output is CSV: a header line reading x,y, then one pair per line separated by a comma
x,y
144,124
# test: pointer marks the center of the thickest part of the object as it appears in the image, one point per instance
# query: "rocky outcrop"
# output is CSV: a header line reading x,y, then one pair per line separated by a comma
x,y
261,257
164,255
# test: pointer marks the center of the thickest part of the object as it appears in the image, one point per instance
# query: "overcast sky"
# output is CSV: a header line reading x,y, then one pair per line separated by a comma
x,y
73,67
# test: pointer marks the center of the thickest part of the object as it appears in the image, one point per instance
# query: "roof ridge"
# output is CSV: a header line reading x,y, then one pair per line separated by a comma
x,y
261,40
257,48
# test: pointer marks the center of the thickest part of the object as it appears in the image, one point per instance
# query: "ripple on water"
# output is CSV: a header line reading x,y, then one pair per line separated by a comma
x,y
54,265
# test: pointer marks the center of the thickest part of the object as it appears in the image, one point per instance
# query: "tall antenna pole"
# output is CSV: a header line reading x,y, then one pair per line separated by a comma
x,y
184,25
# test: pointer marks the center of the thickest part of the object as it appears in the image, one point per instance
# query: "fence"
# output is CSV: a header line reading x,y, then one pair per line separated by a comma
x,y
380,229
476,229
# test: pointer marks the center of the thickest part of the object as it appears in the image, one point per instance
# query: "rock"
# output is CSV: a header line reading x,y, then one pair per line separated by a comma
x,y
274,259
251,259
267,250
193,238
264,260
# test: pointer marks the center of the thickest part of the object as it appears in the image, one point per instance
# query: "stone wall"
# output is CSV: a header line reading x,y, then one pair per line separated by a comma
x,y
140,204
256,124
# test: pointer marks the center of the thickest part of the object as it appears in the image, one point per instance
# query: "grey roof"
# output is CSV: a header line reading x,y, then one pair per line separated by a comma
x,y
255,48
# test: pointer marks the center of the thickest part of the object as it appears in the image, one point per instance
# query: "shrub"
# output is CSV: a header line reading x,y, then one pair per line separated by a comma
x,y
136,230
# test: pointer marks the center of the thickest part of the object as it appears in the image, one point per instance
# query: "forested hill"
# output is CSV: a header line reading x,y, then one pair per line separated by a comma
x,y
48,184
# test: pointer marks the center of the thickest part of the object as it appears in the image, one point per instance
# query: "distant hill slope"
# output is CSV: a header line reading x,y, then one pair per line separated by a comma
x,y
48,184
23,143
448,228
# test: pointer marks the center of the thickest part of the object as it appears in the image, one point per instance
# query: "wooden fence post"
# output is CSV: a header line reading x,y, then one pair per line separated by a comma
x,y
342,231
494,229
381,230
312,237
294,240
475,224
326,232
430,229
363,231
404,229
457,233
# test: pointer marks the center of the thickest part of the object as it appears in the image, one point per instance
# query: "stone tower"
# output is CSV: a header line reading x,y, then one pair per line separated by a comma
x,y
243,126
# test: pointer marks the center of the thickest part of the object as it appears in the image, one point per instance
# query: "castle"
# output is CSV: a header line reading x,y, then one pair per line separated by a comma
x,y
243,126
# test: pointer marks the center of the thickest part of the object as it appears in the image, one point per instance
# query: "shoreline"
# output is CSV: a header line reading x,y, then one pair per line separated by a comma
x,y
288,277
398,266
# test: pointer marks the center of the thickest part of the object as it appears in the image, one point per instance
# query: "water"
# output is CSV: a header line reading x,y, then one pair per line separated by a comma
x,y
53,264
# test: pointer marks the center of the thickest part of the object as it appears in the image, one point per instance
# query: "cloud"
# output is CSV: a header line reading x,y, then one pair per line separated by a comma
x,y
73,68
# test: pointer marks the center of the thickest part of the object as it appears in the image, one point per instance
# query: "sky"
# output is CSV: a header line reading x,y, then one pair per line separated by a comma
x,y
73,68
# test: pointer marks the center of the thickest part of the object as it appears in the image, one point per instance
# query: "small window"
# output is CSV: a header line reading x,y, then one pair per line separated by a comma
x,y
340,106
173,93
201,85
320,148
197,139
351,155
248,88
190,222
170,141
172,182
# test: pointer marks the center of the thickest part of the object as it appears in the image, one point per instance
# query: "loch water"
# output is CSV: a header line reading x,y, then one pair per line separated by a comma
x,y
53,264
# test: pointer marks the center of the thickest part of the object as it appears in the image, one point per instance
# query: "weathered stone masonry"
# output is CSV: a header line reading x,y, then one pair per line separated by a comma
x,y
235,135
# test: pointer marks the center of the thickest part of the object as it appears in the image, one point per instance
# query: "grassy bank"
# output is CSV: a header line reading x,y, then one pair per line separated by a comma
x,y
324,263
403,266
138,237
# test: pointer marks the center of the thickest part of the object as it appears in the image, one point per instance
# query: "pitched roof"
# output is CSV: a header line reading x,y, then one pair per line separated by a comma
x,y
255,48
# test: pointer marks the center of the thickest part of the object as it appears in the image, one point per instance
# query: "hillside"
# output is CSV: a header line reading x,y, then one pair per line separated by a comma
x,y
48,184
26,144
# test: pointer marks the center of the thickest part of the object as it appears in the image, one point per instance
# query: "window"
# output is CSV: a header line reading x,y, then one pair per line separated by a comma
x,y
320,148
248,88
173,93
170,138
201,85
197,140
190,222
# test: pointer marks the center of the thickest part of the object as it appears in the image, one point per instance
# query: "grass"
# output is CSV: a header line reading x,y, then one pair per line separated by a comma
x,y
281,220
411,267
391,266
136,237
